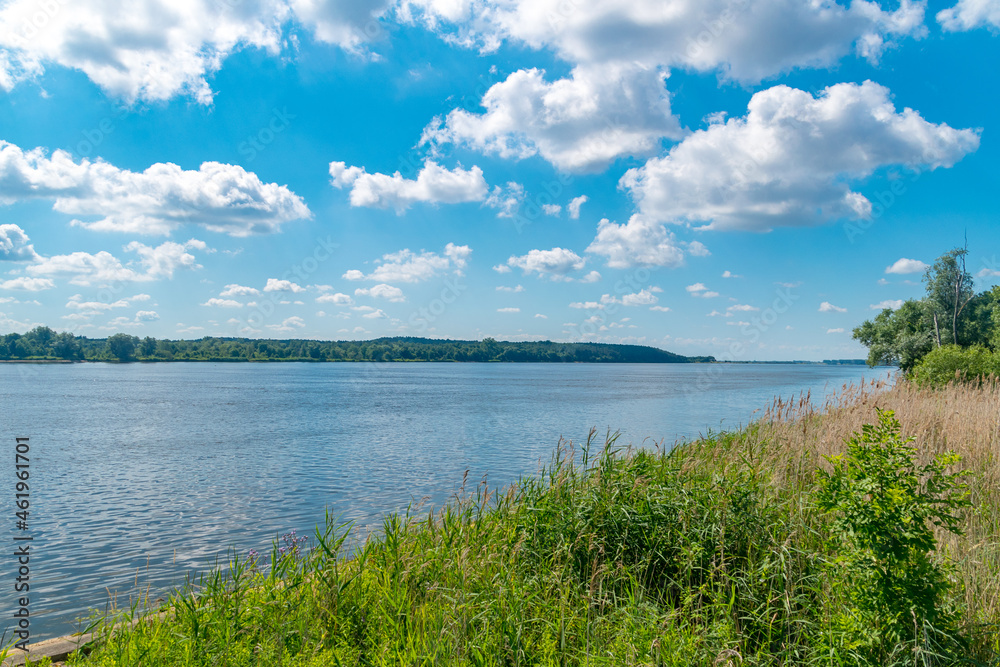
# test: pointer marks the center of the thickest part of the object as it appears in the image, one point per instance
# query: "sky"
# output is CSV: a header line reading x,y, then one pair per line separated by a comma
x,y
748,179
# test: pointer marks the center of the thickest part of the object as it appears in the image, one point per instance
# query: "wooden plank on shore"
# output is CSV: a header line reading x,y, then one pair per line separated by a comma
x,y
59,648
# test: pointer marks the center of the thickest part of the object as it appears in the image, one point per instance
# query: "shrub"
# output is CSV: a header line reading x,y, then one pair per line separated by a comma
x,y
886,510
952,363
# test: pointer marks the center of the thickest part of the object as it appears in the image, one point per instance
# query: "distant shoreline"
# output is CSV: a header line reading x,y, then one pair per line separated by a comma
x,y
859,362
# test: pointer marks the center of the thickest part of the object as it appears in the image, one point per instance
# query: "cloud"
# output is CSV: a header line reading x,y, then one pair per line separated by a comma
x,y
103,268
146,316
580,123
406,266
508,310
639,242
555,263
276,285
376,314
700,291
747,41
434,185
513,290
894,304
27,284
574,206
835,331
641,298
904,266
789,160
222,303
587,305
551,209
743,308
507,200
337,299
383,291
14,246
969,15
541,317
730,274
239,290
288,324
827,307
158,49
350,24
697,249
220,197
660,309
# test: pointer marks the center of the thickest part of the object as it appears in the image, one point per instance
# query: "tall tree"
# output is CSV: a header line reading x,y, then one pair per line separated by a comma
x,y
949,291
122,346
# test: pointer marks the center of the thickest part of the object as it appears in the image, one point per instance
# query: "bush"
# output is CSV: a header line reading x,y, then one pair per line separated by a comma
x,y
887,508
952,363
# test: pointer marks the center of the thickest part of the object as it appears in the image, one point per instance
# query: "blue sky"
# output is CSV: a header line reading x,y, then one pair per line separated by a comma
x,y
743,179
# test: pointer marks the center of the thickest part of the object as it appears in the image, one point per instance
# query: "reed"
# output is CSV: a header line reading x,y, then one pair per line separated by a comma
x,y
711,553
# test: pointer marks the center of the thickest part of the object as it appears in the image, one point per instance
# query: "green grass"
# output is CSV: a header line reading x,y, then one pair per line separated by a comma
x,y
714,554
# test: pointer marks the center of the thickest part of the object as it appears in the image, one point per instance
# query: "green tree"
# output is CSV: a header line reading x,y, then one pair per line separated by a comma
x,y
66,346
886,511
898,337
949,291
489,349
147,348
122,346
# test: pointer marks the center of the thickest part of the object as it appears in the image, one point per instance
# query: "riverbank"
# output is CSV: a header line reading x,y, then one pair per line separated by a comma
x,y
714,554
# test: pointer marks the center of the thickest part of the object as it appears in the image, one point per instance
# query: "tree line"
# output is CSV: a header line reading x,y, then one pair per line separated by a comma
x,y
952,329
42,343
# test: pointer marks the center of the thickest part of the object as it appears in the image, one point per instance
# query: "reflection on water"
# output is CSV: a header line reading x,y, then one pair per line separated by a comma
x,y
145,472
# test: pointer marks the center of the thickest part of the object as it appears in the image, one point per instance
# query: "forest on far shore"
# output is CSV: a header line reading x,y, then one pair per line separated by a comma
x,y
42,343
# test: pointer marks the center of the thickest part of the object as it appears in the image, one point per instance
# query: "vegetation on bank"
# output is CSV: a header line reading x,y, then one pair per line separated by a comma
x,y
807,539
42,343
953,333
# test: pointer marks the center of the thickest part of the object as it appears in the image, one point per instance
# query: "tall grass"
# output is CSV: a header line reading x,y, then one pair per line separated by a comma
x,y
712,554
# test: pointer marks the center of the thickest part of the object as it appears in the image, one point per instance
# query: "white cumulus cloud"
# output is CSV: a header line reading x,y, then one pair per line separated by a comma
x,y
219,197
579,123
382,291
904,266
337,299
102,267
14,245
639,242
970,14
434,185
789,160
827,307
406,266
276,285
239,290
574,206
555,263
748,41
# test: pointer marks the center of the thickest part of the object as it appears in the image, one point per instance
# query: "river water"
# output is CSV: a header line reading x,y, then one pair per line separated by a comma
x,y
143,473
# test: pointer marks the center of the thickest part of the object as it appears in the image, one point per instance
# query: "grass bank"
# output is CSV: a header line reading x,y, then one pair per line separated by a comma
x,y
717,554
